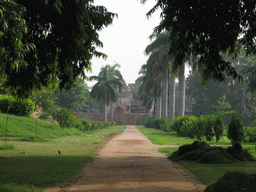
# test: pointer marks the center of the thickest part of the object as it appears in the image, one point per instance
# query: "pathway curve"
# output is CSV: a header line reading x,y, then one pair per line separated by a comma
x,y
129,162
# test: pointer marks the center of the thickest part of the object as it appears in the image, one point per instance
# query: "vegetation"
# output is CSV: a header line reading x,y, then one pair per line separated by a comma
x,y
207,33
40,163
235,129
38,46
228,97
109,82
87,125
208,173
21,107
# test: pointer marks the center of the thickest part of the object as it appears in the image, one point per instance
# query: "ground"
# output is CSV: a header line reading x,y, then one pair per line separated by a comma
x,y
129,162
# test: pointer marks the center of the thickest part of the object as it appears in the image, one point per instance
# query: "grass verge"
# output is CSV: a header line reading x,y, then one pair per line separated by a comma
x,y
208,173
28,129
30,166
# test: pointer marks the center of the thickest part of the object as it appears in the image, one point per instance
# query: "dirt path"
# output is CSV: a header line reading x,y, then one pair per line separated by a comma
x,y
129,163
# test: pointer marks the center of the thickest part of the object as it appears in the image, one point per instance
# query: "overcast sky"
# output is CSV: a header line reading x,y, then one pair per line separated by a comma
x,y
126,39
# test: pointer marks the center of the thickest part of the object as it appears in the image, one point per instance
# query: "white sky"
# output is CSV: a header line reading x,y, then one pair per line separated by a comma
x,y
126,39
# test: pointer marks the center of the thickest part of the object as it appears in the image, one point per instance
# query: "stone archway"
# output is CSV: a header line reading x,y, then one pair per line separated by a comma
x,y
119,110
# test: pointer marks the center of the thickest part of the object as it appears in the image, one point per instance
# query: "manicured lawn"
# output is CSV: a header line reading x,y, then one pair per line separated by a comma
x,y
160,137
33,165
208,173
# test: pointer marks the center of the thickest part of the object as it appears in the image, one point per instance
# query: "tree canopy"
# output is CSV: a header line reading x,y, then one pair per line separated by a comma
x,y
208,29
44,41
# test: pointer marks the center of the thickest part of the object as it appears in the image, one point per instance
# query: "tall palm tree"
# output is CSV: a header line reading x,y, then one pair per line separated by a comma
x,y
115,74
104,89
158,64
149,90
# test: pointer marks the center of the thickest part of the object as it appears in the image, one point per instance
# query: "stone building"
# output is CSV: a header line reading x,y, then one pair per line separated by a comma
x,y
125,103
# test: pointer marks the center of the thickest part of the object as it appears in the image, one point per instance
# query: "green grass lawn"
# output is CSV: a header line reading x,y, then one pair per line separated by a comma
x,y
208,173
33,165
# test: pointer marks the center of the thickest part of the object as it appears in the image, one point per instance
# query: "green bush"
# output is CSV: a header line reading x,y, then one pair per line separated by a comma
x,y
19,107
250,134
87,125
177,123
148,122
235,129
64,117
209,127
188,127
158,123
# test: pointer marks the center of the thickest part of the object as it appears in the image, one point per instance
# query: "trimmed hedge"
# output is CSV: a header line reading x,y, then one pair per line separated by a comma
x,y
158,123
19,107
204,127
87,125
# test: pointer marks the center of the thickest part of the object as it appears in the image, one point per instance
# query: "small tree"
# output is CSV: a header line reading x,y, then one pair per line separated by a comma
x,y
218,128
235,129
223,107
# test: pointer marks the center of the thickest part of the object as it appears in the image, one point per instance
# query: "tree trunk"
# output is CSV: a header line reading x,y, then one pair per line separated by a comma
x,y
164,95
111,110
158,106
105,112
181,102
172,98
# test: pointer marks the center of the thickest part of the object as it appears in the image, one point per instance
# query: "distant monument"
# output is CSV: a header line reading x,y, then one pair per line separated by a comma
x,y
125,103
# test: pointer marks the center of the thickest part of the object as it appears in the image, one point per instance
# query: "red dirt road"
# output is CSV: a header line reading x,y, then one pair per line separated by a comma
x,y
129,162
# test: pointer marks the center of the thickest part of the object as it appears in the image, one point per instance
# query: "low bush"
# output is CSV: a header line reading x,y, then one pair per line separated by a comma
x,y
19,107
250,134
64,117
87,125
158,123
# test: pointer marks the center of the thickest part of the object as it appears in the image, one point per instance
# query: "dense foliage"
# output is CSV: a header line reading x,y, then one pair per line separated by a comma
x,y
64,117
158,123
21,107
43,41
87,125
206,29
219,98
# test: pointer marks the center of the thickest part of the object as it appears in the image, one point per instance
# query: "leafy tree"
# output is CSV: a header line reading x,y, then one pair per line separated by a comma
x,y
52,40
104,89
202,98
222,108
207,29
74,99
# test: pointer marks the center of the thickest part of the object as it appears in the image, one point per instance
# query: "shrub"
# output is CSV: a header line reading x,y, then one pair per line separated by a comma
x,y
209,127
218,128
148,122
19,107
158,123
177,123
87,125
188,127
64,117
235,129
250,134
